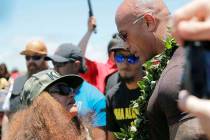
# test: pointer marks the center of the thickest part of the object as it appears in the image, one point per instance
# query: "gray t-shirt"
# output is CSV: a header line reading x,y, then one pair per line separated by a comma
x,y
166,120
17,89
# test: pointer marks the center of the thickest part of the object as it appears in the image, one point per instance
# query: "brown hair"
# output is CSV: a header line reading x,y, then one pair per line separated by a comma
x,y
44,119
4,72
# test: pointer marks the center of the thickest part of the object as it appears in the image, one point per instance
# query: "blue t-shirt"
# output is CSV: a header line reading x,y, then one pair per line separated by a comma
x,y
91,103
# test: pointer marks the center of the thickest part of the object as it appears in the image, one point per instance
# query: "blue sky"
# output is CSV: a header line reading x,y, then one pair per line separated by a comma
x,y
55,22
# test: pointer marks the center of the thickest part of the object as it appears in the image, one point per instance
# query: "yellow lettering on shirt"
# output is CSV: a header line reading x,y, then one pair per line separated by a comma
x,y
134,111
125,113
128,113
119,113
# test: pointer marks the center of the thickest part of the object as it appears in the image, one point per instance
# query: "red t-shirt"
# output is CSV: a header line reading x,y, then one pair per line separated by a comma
x,y
98,72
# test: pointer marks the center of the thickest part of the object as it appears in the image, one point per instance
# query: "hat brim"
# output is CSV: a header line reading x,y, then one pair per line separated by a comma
x,y
59,59
119,47
32,52
56,58
74,81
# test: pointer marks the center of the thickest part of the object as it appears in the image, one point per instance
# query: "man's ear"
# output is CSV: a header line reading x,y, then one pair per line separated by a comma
x,y
151,22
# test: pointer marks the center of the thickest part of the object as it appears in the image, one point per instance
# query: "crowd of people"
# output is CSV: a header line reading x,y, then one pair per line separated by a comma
x,y
82,99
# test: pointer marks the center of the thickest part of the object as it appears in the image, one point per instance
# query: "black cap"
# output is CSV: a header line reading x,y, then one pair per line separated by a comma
x,y
118,45
68,52
113,42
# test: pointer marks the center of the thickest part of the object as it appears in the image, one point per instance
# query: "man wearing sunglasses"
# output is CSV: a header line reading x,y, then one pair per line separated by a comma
x,y
119,112
143,24
68,59
34,54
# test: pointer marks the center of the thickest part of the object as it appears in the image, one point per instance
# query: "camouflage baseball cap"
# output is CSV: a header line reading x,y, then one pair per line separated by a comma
x,y
40,81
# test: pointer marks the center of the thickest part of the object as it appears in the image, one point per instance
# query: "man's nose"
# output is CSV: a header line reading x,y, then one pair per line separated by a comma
x,y
30,60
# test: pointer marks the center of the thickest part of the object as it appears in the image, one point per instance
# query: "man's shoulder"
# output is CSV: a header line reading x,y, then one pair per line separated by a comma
x,y
165,95
114,90
88,87
90,90
113,78
21,78
170,78
18,84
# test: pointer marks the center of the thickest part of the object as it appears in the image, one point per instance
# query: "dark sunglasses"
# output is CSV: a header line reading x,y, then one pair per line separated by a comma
x,y
123,36
61,89
131,59
61,64
34,58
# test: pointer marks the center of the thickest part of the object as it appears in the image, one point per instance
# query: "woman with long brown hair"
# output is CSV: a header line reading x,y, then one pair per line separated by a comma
x,y
44,119
46,100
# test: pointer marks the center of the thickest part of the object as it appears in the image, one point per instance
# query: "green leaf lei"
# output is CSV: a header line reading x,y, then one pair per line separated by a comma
x,y
153,69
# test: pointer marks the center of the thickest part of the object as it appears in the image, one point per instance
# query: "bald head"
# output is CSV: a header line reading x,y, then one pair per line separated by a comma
x,y
136,8
140,24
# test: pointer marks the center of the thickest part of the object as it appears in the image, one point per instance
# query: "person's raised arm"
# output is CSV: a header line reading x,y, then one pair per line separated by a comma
x,y
84,41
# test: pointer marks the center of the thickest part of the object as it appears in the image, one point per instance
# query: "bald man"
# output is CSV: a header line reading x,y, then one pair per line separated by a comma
x,y
142,24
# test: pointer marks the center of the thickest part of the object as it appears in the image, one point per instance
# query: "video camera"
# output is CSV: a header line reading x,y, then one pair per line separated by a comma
x,y
196,76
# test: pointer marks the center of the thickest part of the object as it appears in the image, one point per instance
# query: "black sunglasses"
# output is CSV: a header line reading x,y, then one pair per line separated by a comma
x,y
61,89
34,58
61,64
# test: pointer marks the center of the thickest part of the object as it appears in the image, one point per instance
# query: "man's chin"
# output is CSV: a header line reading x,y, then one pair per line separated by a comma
x,y
127,79
32,71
